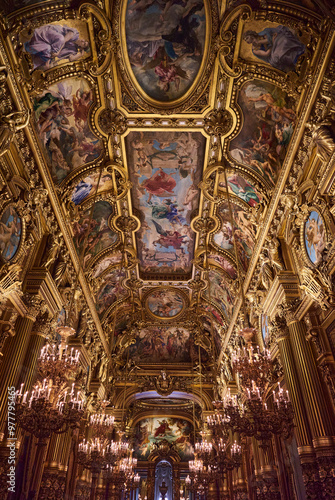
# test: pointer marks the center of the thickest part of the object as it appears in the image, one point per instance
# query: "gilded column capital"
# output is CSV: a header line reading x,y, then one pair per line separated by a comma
x,y
44,325
288,309
34,304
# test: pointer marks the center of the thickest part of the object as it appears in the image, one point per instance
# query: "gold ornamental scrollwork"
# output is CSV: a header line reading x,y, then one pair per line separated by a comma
x,y
229,30
218,122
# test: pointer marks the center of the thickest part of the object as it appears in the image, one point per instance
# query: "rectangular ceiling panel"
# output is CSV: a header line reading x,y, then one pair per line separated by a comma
x,y
165,169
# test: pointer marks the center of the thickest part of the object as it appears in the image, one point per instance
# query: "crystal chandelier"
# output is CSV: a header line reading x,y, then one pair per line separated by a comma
x,y
253,366
227,457
249,414
200,477
49,406
101,424
58,363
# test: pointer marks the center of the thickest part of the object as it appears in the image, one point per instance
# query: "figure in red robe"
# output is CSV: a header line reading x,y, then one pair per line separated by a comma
x,y
159,184
162,429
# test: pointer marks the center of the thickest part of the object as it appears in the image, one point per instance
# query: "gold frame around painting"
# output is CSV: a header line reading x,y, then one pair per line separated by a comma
x,y
20,248
166,319
324,217
200,82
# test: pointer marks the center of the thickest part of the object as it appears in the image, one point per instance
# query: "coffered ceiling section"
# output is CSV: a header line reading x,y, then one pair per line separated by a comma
x,y
144,114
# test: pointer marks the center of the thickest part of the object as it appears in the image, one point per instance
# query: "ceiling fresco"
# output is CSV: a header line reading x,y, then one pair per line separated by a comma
x,y
92,233
165,169
93,183
219,292
61,113
50,45
165,344
244,232
269,113
277,45
238,185
151,431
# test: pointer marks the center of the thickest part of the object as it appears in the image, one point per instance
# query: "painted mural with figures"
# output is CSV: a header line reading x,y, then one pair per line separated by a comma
x,y
56,43
92,184
10,233
244,230
240,186
220,294
152,431
93,232
165,43
61,113
268,123
273,44
212,323
158,344
224,264
165,169
166,303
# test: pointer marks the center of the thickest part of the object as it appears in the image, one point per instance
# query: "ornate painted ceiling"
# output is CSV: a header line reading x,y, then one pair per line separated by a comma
x,y
144,115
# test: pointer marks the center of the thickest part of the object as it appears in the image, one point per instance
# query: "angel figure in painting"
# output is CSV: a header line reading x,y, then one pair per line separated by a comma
x,y
278,46
168,238
52,43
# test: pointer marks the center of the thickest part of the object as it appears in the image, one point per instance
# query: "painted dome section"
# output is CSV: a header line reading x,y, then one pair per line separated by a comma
x,y
165,44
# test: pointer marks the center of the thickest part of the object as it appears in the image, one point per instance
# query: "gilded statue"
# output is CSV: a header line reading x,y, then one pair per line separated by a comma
x,y
323,138
270,263
9,125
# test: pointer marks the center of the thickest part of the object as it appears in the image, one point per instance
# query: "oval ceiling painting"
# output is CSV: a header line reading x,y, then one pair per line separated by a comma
x,y
315,236
166,303
165,44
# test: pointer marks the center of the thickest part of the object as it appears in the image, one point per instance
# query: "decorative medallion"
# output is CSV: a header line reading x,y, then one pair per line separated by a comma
x,y
165,303
268,122
10,233
314,236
